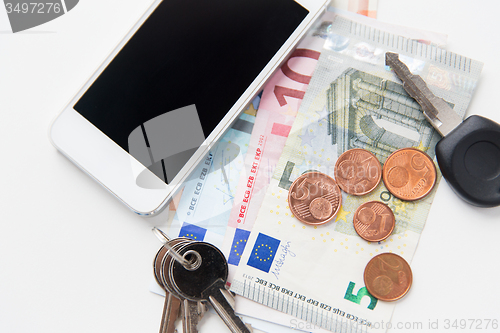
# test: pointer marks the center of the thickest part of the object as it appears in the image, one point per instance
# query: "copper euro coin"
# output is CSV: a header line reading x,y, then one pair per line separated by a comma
x,y
388,277
358,171
374,221
409,174
314,198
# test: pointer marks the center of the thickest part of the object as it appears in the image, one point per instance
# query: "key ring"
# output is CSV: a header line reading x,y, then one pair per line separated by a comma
x,y
191,260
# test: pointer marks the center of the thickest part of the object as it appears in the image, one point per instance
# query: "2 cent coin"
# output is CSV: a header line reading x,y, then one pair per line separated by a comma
x,y
388,277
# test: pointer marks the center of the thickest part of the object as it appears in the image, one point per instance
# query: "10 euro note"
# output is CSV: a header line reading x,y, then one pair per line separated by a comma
x,y
278,107
353,101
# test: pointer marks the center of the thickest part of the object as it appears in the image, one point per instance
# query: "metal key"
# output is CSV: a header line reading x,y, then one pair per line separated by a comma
x,y
469,152
191,314
206,280
172,304
191,311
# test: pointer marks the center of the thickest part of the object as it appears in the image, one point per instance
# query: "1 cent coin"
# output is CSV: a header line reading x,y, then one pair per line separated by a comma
x,y
409,174
374,221
388,277
314,198
358,171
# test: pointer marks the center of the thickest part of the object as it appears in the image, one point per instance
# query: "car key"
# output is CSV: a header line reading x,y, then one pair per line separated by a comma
x,y
206,280
469,152
191,311
172,304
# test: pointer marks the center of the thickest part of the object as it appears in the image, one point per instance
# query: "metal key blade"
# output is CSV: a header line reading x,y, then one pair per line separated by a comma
x,y
172,305
170,313
192,312
223,308
435,109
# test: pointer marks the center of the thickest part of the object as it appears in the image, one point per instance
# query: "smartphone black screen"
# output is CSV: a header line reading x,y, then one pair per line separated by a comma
x,y
187,53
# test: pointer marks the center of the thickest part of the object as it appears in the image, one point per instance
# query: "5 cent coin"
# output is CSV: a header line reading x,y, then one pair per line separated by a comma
x,y
358,171
314,198
388,277
374,221
409,174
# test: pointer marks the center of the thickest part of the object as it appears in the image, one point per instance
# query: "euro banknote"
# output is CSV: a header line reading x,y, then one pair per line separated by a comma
x,y
277,110
280,102
353,101
202,210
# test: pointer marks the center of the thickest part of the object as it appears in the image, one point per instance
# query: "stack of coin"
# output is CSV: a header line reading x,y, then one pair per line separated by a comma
x,y
358,172
408,173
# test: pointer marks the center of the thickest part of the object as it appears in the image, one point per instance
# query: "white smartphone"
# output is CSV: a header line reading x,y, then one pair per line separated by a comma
x,y
172,87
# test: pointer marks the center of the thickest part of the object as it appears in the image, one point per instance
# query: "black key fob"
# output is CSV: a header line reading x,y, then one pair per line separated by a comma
x,y
469,158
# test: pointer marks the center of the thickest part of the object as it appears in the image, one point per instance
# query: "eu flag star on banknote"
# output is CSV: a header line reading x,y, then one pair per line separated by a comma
x,y
238,245
263,252
192,231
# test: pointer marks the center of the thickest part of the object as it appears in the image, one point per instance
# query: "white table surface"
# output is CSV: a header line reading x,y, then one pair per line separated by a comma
x,y
74,259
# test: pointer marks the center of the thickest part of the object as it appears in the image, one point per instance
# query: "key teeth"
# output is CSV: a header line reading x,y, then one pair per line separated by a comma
x,y
202,308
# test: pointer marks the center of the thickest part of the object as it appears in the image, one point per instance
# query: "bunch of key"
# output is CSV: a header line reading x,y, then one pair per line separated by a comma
x,y
193,273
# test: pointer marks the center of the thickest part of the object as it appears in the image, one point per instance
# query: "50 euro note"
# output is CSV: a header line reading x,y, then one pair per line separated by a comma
x,y
353,101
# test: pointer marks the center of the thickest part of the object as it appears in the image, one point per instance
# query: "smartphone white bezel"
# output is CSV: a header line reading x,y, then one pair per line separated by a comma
x,y
114,168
